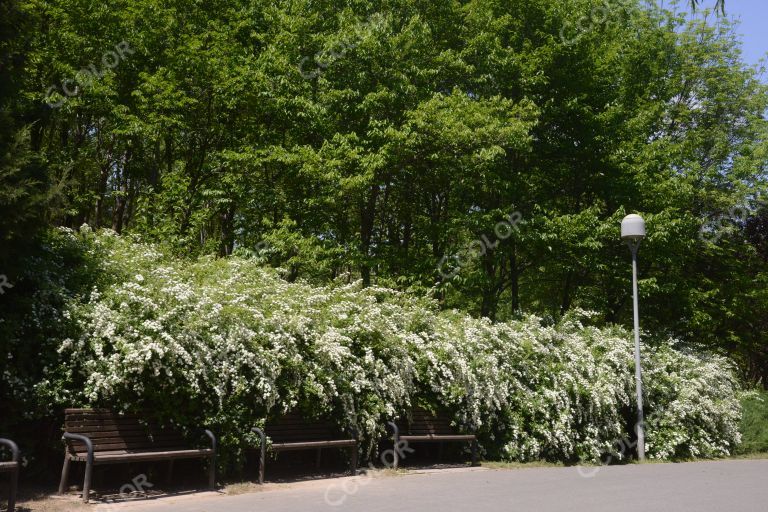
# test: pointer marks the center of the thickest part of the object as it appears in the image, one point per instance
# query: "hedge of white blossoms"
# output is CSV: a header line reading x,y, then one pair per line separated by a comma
x,y
224,341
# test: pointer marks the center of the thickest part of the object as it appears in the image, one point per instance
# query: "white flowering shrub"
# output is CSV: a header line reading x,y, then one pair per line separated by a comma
x,y
226,342
691,402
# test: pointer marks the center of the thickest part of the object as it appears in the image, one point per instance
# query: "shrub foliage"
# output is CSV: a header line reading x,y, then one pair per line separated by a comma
x,y
227,342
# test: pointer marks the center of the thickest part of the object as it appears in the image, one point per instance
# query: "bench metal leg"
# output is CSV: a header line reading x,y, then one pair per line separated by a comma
x,y
396,454
396,444
64,474
67,436
212,474
87,481
317,460
354,460
169,474
474,452
262,463
215,451
14,489
262,452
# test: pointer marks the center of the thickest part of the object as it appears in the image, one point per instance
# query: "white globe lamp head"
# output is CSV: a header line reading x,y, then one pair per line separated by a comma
x,y
632,228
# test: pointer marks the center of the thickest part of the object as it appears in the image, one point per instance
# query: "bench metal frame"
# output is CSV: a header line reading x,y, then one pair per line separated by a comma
x,y
92,457
11,467
435,437
318,445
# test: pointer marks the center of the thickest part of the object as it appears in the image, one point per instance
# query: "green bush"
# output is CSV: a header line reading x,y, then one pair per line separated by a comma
x,y
754,423
227,342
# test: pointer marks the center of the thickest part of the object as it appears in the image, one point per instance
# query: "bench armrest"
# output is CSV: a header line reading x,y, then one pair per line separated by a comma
x,y
213,459
262,451
13,447
262,435
68,436
394,428
209,435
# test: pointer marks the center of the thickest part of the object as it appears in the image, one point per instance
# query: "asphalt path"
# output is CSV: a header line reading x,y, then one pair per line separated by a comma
x,y
721,486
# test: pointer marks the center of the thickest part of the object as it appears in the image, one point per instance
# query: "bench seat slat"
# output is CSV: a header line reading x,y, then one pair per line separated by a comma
x,y
104,428
318,436
301,421
135,438
117,424
128,456
299,439
124,437
95,411
271,428
433,437
295,432
114,438
101,434
291,431
119,445
301,428
8,466
305,445
422,426
98,417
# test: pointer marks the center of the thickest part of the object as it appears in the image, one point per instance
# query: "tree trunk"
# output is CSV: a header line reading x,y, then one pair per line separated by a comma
x,y
100,193
566,302
514,280
367,218
491,289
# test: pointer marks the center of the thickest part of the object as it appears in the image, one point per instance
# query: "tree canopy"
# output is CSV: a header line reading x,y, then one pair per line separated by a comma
x,y
393,141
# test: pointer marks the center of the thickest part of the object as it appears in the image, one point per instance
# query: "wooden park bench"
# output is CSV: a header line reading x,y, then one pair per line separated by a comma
x,y
12,467
421,426
101,436
293,432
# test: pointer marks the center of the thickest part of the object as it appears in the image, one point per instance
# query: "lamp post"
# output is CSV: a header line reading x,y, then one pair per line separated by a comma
x,y
633,231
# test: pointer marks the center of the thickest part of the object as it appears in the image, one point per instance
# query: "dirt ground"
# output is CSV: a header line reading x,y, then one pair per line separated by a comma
x,y
45,500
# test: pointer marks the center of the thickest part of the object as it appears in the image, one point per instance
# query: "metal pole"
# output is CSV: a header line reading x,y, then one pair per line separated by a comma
x,y
638,373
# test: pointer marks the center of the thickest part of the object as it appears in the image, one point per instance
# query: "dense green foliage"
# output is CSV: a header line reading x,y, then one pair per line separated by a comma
x,y
23,181
754,423
378,140
225,342
341,159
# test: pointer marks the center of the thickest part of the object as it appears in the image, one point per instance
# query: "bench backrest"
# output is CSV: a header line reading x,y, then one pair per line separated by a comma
x,y
423,422
111,431
293,427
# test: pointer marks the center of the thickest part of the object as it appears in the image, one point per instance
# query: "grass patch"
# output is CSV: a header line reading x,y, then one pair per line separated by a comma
x,y
521,465
750,456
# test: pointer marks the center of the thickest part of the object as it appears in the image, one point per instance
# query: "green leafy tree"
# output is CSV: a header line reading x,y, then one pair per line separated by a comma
x,y
344,141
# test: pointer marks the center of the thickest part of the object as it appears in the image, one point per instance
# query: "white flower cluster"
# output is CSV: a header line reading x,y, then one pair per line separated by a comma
x,y
227,340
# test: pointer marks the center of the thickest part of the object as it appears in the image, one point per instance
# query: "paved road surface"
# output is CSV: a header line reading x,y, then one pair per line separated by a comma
x,y
725,486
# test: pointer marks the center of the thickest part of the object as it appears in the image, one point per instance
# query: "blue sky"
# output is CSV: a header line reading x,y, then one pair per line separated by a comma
x,y
753,15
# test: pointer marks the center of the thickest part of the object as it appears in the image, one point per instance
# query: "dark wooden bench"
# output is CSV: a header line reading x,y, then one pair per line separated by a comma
x,y
294,432
422,426
101,436
12,467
